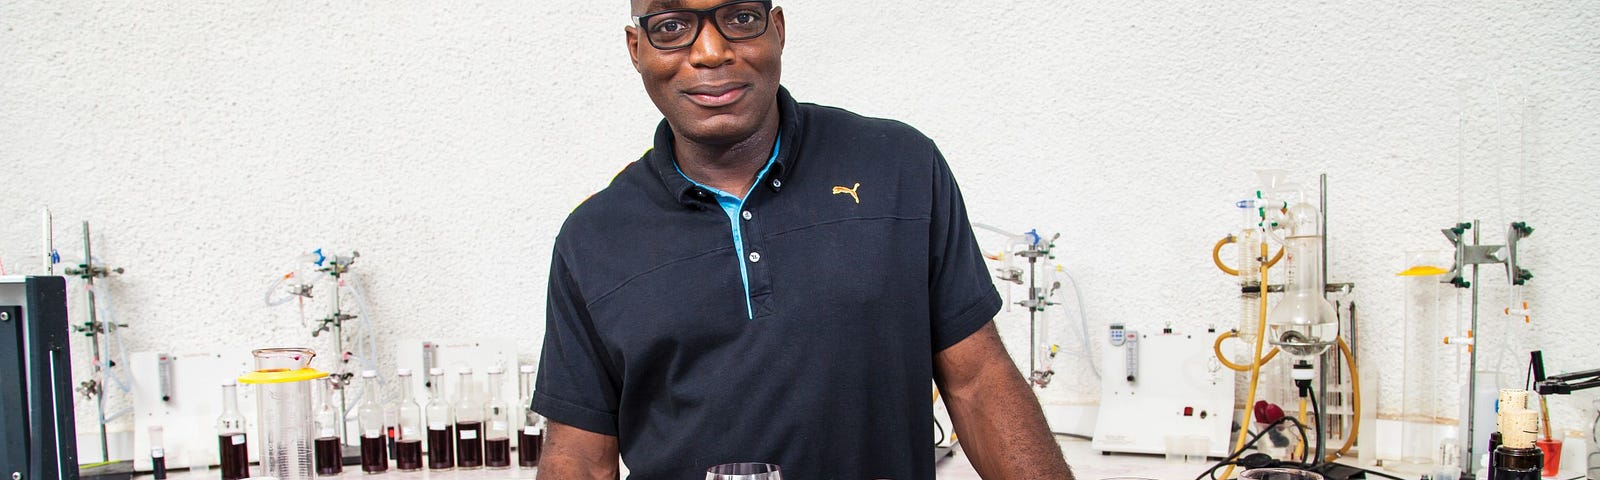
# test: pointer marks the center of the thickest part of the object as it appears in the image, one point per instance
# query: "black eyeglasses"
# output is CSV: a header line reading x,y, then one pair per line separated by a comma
x,y
678,28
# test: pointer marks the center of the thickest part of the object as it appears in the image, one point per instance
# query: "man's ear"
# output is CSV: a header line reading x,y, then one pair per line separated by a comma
x,y
632,33
777,21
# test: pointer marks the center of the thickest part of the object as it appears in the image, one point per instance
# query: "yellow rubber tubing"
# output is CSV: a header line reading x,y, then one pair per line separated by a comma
x,y
1216,255
1217,348
1255,367
1355,400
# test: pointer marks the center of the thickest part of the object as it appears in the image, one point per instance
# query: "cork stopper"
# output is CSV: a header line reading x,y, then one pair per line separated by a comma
x,y
1519,428
1513,399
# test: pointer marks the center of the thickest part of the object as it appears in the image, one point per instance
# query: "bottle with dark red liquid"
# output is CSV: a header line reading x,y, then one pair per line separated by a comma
x,y
496,423
369,417
327,449
158,453
408,431
441,424
231,445
469,423
531,434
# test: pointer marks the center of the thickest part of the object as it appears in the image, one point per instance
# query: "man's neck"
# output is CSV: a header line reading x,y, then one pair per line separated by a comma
x,y
729,168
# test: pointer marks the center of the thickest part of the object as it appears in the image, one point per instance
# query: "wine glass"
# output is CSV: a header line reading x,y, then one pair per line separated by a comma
x,y
743,471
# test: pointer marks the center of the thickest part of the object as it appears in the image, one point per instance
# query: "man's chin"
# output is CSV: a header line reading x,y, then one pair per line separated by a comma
x,y
718,130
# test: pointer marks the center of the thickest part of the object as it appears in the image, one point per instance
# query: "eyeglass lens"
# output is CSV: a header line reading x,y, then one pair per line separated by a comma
x,y
735,21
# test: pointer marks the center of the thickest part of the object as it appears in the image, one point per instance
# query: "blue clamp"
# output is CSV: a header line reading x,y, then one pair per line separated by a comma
x,y
1033,237
320,257
55,256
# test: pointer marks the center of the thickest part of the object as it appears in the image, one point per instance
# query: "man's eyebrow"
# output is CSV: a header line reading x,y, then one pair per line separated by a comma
x,y
658,5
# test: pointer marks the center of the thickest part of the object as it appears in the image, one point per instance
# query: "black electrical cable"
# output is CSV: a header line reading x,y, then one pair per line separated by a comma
x,y
1316,414
942,436
1251,443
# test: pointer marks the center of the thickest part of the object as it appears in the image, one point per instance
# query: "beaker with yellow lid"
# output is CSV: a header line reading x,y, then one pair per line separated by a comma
x,y
283,379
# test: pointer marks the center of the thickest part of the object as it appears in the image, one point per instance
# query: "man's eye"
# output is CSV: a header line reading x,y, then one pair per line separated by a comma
x,y
742,18
671,26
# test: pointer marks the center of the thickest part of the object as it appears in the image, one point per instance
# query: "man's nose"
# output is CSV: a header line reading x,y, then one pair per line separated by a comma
x,y
709,49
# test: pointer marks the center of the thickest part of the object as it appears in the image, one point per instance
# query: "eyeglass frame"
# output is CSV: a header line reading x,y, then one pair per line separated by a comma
x,y
701,15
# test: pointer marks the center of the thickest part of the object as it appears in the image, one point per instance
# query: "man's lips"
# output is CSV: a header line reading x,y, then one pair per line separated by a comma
x,y
716,96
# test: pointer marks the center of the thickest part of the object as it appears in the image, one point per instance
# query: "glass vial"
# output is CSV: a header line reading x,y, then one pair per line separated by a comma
x,y
530,438
326,449
441,424
231,444
369,417
158,453
469,423
496,423
408,446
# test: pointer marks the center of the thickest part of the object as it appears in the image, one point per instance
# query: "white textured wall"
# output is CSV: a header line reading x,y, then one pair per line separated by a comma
x,y
209,142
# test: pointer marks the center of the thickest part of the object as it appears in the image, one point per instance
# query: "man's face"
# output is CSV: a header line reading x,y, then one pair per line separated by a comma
x,y
714,91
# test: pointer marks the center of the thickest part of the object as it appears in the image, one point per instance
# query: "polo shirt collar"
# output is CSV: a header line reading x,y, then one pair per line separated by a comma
x,y
662,159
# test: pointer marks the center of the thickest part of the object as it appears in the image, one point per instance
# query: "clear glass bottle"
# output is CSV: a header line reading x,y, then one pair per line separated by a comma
x,y
469,423
158,453
408,446
496,423
327,449
1303,323
530,437
231,439
441,424
369,417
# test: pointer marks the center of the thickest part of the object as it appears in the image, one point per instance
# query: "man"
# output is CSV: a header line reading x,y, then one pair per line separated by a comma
x,y
774,282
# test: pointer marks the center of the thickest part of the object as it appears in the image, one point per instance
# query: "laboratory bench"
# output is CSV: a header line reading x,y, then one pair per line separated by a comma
x,y
1087,464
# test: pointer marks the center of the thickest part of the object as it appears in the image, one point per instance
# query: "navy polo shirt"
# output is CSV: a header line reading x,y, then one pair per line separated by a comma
x,y
808,344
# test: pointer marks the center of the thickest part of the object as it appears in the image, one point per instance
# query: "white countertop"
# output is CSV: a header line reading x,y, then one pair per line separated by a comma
x,y
1087,464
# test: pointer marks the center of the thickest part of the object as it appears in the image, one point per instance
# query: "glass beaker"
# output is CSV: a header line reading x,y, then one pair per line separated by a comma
x,y
283,381
744,471
1279,474
1427,360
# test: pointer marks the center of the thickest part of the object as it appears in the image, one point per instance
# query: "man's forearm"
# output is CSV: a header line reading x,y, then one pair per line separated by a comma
x,y
996,415
573,454
1003,432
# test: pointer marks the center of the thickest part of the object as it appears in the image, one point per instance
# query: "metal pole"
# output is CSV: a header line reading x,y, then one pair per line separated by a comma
x,y
1033,326
338,334
94,340
1322,373
1472,372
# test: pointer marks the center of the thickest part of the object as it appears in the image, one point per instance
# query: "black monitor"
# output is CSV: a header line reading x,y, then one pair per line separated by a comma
x,y
38,439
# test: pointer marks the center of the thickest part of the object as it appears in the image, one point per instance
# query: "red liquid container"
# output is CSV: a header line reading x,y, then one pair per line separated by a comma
x,y
441,448
497,452
329,458
374,454
528,446
235,456
469,444
408,455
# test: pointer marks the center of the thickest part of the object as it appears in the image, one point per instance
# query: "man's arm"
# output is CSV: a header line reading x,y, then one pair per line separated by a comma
x,y
572,453
996,415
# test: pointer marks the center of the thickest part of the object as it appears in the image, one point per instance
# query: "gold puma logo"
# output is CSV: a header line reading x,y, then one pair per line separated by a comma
x,y
837,189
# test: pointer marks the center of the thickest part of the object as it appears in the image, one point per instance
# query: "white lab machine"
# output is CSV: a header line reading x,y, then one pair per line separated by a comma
x,y
1163,392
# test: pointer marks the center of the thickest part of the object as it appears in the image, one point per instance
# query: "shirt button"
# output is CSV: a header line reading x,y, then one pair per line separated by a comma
x,y
755,257
747,215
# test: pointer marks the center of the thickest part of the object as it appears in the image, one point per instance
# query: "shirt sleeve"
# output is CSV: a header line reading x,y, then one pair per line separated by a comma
x,y
962,298
574,385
